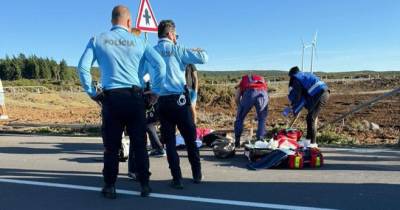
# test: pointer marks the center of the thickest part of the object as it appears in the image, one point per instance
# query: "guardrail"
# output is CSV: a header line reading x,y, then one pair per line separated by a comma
x,y
76,89
19,89
362,106
40,89
271,82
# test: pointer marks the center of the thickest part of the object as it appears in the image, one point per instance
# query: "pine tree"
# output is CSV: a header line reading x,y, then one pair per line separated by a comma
x,y
55,70
32,68
63,70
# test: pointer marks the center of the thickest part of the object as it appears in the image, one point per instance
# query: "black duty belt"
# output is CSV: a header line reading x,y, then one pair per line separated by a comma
x,y
133,89
180,99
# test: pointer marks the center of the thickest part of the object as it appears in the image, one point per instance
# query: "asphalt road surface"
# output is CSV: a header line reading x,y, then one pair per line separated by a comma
x,y
49,172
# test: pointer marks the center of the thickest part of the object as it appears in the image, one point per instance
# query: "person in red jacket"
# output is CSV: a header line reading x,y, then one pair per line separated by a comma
x,y
251,91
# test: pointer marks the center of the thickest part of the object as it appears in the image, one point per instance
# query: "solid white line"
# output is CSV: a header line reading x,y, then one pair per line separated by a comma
x,y
167,196
367,150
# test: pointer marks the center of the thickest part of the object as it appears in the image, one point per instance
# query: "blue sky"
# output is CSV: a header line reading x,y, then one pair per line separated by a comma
x,y
238,35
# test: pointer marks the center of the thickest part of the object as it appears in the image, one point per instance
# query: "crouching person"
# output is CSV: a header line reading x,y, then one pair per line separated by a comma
x,y
251,91
307,90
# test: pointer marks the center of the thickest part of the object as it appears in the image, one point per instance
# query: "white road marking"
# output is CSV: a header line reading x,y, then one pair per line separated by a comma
x,y
168,196
367,150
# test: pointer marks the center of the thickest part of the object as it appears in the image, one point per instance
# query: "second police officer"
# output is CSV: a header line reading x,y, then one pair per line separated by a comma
x,y
174,102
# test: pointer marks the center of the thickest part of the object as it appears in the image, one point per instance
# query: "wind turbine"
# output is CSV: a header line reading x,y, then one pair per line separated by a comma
x,y
305,46
302,54
313,46
313,50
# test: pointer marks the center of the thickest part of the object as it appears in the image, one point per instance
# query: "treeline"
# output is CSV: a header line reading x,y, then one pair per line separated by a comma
x,y
33,67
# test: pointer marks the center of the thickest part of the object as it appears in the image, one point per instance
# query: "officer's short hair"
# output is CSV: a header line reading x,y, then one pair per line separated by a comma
x,y
293,70
120,11
165,27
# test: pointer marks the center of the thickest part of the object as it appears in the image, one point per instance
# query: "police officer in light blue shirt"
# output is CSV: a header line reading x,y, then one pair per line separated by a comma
x,y
174,102
120,56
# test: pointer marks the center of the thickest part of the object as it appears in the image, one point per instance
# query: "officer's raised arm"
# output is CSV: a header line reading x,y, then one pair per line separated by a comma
x,y
84,67
157,72
192,56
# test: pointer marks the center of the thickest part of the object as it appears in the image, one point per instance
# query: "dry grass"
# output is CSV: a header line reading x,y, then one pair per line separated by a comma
x,y
217,110
54,101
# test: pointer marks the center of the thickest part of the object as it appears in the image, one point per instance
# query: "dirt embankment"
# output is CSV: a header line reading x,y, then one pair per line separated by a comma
x,y
217,110
46,108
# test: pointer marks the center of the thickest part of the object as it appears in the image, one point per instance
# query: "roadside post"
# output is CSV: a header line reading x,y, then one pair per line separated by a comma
x,y
3,112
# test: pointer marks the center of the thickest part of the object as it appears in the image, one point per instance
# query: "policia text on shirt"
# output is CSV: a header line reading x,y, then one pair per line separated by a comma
x,y
120,56
119,42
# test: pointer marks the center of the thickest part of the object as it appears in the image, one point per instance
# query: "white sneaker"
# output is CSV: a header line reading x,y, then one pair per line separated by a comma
x,y
3,117
313,145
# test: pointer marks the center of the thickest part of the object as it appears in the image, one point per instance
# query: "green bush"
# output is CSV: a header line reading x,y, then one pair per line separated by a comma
x,y
332,137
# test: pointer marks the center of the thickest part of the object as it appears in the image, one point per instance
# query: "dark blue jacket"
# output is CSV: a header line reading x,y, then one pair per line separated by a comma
x,y
304,90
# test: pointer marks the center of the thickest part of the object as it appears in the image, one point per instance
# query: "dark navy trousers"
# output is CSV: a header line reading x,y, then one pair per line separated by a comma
x,y
173,115
250,98
124,108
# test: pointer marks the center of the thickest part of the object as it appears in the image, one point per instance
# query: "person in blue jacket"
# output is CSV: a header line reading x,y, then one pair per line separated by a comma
x,y
174,101
119,55
307,90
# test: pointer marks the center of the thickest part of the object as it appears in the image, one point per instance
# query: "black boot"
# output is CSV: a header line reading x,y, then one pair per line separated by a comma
x,y
176,184
146,190
197,177
237,142
109,191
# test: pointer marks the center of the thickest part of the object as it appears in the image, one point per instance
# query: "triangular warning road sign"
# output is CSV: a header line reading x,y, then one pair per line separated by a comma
x,y
146,21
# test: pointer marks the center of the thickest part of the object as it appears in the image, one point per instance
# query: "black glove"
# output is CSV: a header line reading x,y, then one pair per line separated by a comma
x,y
147,101
98,98
150,99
